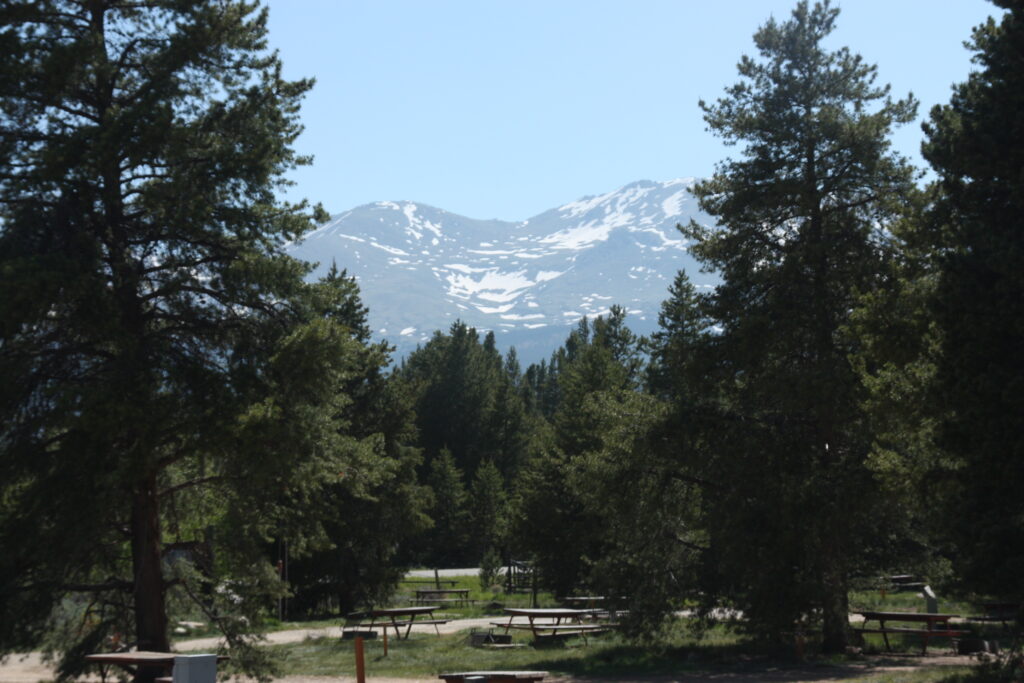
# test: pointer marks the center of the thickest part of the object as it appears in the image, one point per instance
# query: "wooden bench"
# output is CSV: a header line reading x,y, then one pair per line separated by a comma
x,y
494,676
356,625
923,632
376,624
1003,612
550,632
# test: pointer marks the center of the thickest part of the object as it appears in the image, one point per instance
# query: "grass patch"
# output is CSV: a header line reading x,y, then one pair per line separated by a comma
x,y
426,654
721,652
906,602
936,674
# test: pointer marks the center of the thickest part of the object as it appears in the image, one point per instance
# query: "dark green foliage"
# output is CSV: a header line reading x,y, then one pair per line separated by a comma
x,y
488,511
681,326
553,523
976,146
468,401
447,543
648,504
164,367
370,508
782,431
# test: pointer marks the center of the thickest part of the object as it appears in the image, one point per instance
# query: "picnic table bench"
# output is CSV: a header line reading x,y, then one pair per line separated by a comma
x,y
936,625
394,617
458,596
1004,612
556,628
494,676
435,582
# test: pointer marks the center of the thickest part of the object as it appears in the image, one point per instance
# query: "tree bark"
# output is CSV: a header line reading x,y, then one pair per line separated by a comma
x,y
835,610
150,608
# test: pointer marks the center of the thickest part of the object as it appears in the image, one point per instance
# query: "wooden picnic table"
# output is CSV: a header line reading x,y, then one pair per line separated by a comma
x,y
495,676
396,617
144,665
458,596
548,621
936,625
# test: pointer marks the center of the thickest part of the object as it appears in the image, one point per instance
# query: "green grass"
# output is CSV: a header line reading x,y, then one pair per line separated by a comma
x,y
720,652
925,675
907,602
425,654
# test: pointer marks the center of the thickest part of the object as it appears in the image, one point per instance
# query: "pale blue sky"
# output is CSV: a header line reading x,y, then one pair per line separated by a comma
x,y
506,108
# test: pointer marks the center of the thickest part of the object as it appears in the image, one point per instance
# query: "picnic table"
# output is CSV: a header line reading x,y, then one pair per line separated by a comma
x,y
394,617
550,622
458,596
494,676
936,625
144,665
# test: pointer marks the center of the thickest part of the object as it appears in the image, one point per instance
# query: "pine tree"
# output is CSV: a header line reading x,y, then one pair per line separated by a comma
x,y
598,360
800,215
157,346
976,229
487,511
447,541
373,506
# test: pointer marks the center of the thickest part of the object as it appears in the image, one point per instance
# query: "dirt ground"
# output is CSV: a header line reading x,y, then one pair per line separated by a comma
x,y
30,668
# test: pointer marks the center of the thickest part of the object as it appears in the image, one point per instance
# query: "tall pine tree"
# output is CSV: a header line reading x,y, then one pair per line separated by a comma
x,y
976,146
156,345
801,214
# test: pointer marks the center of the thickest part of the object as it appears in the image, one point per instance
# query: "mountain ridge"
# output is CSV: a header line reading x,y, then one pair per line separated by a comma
x,y
420,268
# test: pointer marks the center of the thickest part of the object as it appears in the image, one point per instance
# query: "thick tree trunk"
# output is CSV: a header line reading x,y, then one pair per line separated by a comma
x,y
150,610
835,612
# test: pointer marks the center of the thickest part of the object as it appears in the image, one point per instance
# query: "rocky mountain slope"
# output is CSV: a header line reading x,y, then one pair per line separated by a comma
x,y
421,268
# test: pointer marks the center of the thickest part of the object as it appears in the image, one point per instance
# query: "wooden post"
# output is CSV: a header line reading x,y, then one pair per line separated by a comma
x,y
437,579
360,665
385,642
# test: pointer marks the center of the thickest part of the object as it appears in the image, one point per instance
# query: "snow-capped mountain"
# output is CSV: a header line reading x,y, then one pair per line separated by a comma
x,y
421,268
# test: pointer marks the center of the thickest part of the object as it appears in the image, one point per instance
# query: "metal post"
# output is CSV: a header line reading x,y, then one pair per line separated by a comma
x,y
360,665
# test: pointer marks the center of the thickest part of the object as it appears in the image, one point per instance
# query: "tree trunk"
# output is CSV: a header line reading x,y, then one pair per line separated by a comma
x,y
835,612
150,609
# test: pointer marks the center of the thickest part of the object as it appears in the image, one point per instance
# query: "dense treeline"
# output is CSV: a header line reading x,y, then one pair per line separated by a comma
x,y
189,425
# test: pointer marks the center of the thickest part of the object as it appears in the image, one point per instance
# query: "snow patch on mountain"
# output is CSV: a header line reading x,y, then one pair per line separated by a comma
x,y
528,281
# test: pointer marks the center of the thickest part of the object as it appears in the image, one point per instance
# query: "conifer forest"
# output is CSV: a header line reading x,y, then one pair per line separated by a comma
x,y
181,404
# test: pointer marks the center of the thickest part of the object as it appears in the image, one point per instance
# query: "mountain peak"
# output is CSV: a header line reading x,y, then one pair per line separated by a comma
x,y
420,268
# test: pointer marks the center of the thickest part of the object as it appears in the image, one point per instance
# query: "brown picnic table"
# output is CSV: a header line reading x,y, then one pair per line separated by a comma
x,y
144,665
936,625
395,617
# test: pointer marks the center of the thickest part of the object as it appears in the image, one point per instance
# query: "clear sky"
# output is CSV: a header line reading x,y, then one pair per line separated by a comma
x,y
506,108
